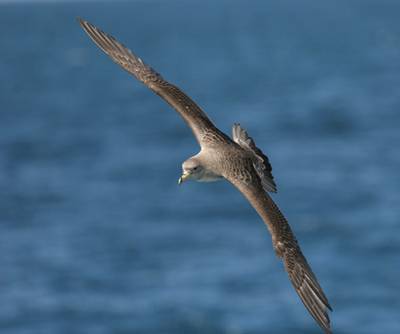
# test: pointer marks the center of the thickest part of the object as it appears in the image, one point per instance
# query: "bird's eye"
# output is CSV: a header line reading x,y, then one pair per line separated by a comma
x,y
195,168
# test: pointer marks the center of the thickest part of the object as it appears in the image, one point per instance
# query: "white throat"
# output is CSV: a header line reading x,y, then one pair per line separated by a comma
x,y
209,176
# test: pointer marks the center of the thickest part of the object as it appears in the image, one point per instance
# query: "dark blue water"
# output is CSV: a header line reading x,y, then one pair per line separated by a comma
x,y
95,234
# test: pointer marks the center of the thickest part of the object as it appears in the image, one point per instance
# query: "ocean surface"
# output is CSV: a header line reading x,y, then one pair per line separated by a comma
x,y
95,234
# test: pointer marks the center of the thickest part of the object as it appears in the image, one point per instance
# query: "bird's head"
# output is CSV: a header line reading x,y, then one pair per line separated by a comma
x,y
191,170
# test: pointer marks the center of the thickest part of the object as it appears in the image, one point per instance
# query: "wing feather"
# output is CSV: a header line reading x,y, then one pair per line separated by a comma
x,y
184,105
260,160
288,249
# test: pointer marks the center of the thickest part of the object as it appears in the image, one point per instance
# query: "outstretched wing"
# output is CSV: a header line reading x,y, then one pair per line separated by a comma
x,y
184,105
260,160
287,248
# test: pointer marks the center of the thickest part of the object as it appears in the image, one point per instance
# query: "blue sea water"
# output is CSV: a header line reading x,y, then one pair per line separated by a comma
x,y
95,234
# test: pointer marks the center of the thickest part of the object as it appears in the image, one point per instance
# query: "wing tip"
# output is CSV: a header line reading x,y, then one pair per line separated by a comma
x,y
82,22
307,287
88,28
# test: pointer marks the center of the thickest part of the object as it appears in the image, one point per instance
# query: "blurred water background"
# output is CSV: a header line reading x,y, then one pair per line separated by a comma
x,y
95,234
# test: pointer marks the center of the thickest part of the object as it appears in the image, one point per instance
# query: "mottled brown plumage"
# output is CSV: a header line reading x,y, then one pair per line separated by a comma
x,y
239,161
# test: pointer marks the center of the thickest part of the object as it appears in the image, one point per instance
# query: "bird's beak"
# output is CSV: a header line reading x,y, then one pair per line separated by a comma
x,y
183,178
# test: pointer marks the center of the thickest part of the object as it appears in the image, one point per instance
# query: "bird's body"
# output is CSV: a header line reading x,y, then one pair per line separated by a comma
x,y
237,160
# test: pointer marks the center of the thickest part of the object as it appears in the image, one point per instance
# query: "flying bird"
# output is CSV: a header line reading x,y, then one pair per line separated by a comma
x,y
235,159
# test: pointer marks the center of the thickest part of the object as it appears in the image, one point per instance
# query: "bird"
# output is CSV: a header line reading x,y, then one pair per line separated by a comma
x,y
237,160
